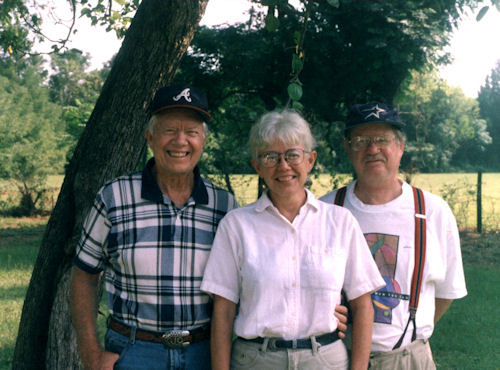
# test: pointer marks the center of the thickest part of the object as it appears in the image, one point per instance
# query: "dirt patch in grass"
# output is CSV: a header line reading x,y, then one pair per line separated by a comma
x,y
480,249
21,231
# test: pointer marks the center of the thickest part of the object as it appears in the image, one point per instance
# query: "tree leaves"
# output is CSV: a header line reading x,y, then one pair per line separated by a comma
x,y
295,90
482,13
272,23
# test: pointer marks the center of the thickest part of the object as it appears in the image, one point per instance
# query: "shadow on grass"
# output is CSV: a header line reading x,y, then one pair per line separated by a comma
x,y
13,292
6,353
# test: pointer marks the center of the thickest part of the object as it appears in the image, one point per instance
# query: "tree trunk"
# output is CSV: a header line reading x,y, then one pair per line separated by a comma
x,y
111,145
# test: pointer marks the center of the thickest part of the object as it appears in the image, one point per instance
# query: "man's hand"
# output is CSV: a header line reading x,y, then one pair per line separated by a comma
x,y
84,311
106,361
341,315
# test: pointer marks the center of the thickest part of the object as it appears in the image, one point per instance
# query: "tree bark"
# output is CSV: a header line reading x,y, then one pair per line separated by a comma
x,y
111,145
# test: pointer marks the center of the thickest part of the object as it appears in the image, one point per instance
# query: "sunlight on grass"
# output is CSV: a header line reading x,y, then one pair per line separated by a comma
x,y
18,251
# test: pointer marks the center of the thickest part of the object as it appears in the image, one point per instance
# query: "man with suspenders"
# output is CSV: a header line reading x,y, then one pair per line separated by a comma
x,y
411,233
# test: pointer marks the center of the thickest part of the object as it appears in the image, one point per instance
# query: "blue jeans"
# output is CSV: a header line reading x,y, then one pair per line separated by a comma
x,y
137,354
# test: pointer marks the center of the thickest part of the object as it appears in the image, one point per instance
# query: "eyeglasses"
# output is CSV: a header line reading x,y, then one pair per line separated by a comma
x,y
292,157
360,143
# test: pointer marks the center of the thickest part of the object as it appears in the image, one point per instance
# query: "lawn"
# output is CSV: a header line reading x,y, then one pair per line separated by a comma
x,y
466,337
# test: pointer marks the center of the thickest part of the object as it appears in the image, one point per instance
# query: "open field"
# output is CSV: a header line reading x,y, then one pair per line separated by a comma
x,y
466,337
458,189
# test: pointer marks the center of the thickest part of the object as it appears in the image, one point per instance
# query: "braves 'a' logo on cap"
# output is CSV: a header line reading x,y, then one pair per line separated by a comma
x,y
375,111
186,94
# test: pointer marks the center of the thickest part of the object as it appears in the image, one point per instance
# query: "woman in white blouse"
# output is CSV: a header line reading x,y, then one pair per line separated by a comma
x,y
278,265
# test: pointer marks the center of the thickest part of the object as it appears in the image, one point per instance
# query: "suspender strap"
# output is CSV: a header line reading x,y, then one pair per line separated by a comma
x,y
340,196
418,269
420,245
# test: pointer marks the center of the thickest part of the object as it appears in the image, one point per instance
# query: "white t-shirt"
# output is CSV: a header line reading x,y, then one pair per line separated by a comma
x,y
287,277
390,231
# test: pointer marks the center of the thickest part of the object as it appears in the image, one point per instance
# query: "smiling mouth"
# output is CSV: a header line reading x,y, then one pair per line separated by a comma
x,y
178,154
285,178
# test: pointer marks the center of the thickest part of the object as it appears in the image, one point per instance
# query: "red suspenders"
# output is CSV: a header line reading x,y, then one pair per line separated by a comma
x,y
420,245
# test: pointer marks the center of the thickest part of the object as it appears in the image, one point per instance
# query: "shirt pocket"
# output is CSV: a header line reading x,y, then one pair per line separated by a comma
x,y
323,268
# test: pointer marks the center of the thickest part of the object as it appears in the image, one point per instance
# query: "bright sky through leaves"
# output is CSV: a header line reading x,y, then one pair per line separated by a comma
x,y
474,47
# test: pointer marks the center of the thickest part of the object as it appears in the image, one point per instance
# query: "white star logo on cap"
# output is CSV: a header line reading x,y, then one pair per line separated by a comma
x,y
186,94
376,111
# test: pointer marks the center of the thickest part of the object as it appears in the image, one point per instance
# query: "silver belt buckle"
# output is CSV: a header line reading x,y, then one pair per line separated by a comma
x,y
175,339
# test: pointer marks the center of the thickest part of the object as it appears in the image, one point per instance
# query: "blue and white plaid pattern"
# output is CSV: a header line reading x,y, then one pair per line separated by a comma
x,y
153,253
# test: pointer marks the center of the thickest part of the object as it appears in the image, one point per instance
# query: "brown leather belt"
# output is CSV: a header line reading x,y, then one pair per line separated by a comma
x,y
170,339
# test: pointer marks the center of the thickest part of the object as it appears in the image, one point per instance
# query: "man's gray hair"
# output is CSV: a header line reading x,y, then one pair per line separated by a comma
x,y
285,126
154,119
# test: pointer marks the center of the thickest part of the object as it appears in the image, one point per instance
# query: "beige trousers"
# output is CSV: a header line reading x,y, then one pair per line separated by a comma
x,y
248,355
415,356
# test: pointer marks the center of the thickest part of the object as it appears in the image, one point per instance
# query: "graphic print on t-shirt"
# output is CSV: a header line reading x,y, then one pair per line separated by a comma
x,y
384,249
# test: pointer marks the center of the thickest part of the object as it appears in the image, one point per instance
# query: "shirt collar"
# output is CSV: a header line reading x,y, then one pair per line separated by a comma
x,y
264,201
151,191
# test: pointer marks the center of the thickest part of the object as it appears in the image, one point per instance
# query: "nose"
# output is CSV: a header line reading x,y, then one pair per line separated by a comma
x,y
282,162
180,137
372,147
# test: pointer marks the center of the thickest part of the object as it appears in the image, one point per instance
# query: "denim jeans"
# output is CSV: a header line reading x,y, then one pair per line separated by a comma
x,y
138,354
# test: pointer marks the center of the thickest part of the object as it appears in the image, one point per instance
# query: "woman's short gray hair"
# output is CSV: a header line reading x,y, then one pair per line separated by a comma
x,y
285,126
154,118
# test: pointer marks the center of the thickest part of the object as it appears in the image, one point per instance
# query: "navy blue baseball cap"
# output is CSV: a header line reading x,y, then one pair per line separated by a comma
x,y
373,112
181,96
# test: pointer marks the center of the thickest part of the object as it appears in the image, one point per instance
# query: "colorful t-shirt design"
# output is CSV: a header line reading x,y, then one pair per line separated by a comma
x,y
384,249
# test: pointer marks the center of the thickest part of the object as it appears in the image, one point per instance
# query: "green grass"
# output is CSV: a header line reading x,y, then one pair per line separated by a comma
x,y
18,251
467,335
465,338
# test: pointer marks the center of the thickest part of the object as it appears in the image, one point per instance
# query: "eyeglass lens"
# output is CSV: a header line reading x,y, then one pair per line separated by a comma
x,y
359,143
291,156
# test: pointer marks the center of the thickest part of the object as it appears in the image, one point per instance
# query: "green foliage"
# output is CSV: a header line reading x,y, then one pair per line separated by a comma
x,y
104,13
32,145
460,196
75,90
345,54
444,127
489,103
13,29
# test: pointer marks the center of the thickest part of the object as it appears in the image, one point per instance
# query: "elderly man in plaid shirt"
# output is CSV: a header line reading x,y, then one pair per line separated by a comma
x,y
151,233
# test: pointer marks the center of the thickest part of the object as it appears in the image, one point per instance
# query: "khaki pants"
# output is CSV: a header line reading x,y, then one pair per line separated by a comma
x,y
415,356
247,355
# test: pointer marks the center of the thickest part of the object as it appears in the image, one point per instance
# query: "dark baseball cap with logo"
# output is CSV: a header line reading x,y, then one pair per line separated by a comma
x,y
181,96
373,112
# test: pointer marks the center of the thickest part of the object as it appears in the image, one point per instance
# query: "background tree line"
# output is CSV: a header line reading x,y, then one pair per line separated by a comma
x,y
349,51
354,51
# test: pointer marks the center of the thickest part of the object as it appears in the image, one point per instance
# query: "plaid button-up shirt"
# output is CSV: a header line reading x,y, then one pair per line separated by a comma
x,y
153,254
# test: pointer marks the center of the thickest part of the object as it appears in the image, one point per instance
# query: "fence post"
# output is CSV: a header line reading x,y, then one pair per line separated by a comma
x,y
479,201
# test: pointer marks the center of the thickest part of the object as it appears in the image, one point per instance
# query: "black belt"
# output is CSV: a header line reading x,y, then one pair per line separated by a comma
x,y
170,339
278,343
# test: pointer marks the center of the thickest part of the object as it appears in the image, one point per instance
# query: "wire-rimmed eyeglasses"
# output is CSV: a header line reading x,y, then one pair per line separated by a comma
x,y
292,156
360,143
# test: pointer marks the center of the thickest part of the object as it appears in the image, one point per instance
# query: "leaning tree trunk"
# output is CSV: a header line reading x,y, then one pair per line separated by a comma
x,y
111,145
